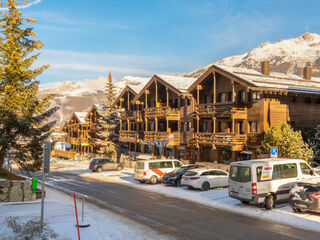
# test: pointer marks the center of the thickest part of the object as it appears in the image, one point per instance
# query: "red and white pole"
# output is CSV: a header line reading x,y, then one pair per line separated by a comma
x,y
75,206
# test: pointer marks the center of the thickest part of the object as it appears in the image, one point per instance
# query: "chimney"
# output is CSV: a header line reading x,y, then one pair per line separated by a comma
x,y
265,68
307,73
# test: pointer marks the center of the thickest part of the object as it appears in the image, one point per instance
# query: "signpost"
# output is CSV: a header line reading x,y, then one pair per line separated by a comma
x,y
274,152
45,169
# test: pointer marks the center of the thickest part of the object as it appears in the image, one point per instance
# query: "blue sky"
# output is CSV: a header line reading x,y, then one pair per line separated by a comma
x,y
87,39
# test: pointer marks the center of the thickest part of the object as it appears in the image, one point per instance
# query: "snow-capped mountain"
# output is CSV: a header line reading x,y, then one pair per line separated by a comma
x,y
286,56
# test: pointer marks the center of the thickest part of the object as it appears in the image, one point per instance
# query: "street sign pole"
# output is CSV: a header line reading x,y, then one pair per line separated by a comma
x,y
274,152
45,169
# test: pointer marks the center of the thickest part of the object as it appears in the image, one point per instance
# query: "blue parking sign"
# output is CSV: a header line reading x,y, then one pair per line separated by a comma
x,y
274,152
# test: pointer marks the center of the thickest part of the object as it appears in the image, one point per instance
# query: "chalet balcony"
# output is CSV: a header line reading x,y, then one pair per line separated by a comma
x,y
128,136
220,138
127,114
74,140
172,139
226,109
165,112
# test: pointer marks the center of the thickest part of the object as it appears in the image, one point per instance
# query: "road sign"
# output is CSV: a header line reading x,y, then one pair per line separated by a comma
x,y
274,152
46,156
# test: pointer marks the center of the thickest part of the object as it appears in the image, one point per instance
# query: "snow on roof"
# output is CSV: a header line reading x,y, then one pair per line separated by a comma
x,y
280,81
179,82
136,88
100,107
81,116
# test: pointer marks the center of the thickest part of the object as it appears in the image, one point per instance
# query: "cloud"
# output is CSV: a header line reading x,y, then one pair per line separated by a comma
x,y
25,6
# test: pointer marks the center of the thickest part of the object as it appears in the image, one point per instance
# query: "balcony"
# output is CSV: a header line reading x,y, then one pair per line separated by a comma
x,y
84,141
127,114
128,136
172,139
74,140
226,109
224,139
165,112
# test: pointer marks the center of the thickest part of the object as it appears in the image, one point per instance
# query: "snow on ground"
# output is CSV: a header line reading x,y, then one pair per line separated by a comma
x,y
218,198
60,216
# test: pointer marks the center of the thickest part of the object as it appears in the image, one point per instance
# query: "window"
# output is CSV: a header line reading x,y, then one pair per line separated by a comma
x,y
276,172
318,101
288,170
293,98
220,173
259,172
305,169
242,96
166,164
240,174
139,165
253,126
190,173
307,100
253,96
229,96
177,164
222,97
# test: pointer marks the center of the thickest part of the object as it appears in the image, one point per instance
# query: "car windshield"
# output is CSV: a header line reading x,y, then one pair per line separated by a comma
x,y
181,170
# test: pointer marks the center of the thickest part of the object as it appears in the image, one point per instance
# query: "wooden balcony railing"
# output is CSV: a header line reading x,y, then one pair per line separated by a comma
x,y
170,138
218,109
127,114
220,138
62,154
73,140
162,112
128,136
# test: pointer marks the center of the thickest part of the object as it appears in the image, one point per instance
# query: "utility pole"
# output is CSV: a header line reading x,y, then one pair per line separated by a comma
x,y
45,169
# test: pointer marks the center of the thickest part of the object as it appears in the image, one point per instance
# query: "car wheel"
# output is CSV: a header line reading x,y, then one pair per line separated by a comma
x,y
141,181
119,168
205,186
99,169
153,180
178,183
270,202
245,202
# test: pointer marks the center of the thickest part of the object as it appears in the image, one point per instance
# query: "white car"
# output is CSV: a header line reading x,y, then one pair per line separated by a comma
x,y
205,179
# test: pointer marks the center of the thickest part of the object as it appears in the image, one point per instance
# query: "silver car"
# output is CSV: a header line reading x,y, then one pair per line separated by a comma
x,y
101,164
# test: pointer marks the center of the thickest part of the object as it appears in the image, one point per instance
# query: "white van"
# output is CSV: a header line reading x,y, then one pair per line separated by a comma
x,y
266,181
152,171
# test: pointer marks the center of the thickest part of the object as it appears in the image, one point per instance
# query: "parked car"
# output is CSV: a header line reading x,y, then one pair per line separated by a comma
x,y
174,177
266,181
205,179
305,196
152,171
101,164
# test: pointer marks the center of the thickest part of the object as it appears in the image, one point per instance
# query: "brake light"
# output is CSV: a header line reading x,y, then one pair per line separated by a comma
x,y
315,195
254,188
194,178
144,173
94,164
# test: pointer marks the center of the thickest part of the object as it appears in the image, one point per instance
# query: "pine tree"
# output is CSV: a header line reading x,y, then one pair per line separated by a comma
x,y
24,116
108,125
290,143
312,137
109,94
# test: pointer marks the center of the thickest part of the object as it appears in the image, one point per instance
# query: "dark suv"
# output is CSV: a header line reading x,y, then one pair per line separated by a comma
x,y
100,164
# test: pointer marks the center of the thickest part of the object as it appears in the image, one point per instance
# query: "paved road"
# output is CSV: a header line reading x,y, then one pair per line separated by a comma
x,y
180,218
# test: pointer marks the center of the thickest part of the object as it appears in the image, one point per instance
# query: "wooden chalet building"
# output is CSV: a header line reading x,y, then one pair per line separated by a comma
x,y
235,106
80,129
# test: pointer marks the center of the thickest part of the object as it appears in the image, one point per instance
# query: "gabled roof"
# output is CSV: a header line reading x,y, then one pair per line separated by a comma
x,y
177,84
255,79
127,88
99,107
81,116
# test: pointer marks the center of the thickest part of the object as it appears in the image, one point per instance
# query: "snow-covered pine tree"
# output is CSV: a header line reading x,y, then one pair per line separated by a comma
x,y
24,116
107,126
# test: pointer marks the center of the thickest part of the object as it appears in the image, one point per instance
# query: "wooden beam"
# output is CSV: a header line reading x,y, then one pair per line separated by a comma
x,y
214,88
233,91
167,90
156,83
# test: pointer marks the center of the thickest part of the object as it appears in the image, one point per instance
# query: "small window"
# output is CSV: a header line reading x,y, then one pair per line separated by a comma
x,y
276,172
305,169
288,170
259,172
139,165
222,97
253,126
242,96
177,164
240,174
166,164
293,98
190,173
307,100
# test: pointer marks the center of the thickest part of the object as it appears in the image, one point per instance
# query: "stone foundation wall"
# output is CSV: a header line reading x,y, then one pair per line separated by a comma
x,y
15,191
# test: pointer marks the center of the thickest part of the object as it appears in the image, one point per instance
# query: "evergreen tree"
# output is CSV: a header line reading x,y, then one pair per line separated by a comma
x,y
289,142
312,137
110,95
24,116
